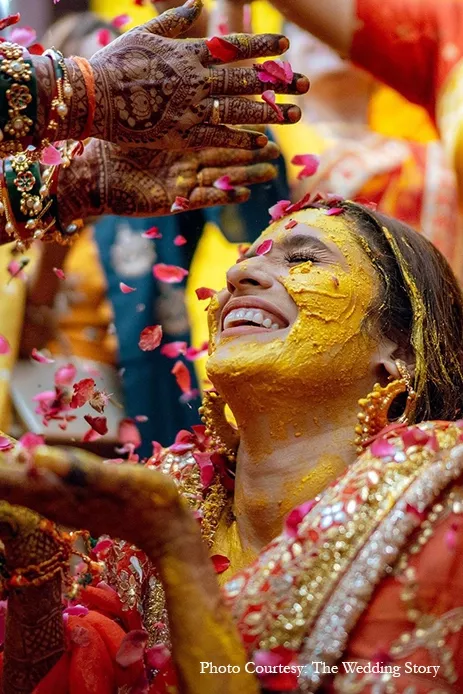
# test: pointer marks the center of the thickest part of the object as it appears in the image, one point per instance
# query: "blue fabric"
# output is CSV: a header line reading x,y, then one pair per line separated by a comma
x,y
148,386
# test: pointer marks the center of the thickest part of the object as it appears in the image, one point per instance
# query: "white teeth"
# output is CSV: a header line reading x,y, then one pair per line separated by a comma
x,y
256,316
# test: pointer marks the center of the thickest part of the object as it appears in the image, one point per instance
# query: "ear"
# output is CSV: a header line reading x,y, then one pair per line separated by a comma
x,y
385,361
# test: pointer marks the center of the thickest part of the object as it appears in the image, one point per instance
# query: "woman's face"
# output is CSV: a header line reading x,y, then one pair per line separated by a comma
x,y
293,317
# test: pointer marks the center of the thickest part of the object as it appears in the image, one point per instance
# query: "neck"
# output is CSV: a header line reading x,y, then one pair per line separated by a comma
x,y
286,458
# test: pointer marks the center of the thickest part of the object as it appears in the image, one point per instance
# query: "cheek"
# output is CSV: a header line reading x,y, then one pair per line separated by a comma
x,y
332,306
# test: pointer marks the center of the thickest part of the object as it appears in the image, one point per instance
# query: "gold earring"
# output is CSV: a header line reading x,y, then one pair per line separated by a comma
x,y
224,437
373,415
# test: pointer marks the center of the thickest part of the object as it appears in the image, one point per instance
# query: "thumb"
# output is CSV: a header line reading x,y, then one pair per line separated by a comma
x,y
176,21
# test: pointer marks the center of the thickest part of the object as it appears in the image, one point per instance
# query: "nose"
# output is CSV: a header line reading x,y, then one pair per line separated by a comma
x,y
248,273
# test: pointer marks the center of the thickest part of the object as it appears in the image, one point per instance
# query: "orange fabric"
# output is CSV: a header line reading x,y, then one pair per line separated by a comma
x,y
89,79
411,45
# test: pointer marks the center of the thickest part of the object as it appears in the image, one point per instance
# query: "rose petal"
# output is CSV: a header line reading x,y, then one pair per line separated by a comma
x,y
194,353
128,433
51,156
294,518
180,240
15,268
104,36
220,562
269,98
150,338
180,204
103,546
59,273
206,468
41,358
334,211
6,22
91,435
36,49
121,20
204,293
223,183
174,349
274,71
381,448
265,247
152,233
23,35
83,391
65,375
279,210
182,376
223,28
132,648
169,273
98,424
125,289
291,224
222,49
309,162
157,657
5,443
76,610
141,418
4,345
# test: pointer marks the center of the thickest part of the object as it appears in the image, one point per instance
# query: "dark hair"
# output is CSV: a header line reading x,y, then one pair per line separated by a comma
x,y
420,307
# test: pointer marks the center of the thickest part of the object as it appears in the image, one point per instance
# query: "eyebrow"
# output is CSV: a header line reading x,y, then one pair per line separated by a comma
x,y
296,241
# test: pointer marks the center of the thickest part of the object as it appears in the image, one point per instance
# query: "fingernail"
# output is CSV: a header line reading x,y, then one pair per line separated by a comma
x,y
283,44
294,113
302,85
262,140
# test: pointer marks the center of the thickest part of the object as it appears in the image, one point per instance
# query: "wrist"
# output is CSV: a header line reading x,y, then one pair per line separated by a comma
x,y
81,186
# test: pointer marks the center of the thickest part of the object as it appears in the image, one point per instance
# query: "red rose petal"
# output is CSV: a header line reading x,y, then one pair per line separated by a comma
x,y
83,391
169,273
128,433
125,289
174,349
152,233
98,424
291,224
180,204
182,376
279,210
204,293
222,49
150,338
6,22
220,562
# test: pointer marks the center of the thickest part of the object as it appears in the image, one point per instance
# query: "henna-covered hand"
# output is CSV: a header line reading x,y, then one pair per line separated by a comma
x,y
158,90
109,180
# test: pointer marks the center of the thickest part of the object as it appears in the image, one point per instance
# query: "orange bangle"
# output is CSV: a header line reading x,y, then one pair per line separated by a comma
x,y
87,73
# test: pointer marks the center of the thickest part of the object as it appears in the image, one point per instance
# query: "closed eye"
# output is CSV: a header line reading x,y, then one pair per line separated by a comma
x,y
302,257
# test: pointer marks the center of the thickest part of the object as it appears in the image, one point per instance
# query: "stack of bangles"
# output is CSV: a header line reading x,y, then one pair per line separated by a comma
x,y
28,190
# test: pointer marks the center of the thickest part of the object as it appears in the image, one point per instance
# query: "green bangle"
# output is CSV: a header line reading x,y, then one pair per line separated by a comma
x,y
18,98
23,182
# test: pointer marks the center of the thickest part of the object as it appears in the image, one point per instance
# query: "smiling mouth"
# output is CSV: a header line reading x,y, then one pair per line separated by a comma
x,y
252,318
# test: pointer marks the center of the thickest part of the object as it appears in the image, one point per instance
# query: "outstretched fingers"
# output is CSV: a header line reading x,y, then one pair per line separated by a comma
x,y
240,110
209,197
175,21
205,135
245,81
238,175
220,156
243,47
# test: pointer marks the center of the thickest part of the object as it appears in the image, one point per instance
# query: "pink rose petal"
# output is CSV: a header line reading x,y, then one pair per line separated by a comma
x,y
65,375
157,657
125,289
152,233
4,345
223,28
121,20
334,211
25,36
169,273
275,71
174,349
6,444
30,441
51,156
132,648
41,358
150,338
309,162
265,247
104,37
279,210
204,293
180,204
223,183
269,98
381,448
294,518
180,240
128,433
59,273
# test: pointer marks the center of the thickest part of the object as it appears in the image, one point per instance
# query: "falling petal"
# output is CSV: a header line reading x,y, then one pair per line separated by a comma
x,y
83,391
65,375
132,648
6,22
125,289
51,156
309,162
59,273
182,376
157,657
223,28
41,358
23,35
174,349
36,49
4,345
150,338
16,268
204,293
98,424
30,441
128,433
223,183
152,233
169,273
220,562
141,418
194,353
279,210
121,20
265,247
91,435
104,37
269,98
222,49
180,240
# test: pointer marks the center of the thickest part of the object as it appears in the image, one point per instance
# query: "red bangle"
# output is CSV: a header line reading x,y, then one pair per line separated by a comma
x,y
87,73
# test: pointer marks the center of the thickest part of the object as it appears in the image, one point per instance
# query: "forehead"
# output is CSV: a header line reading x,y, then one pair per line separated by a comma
x,y
334,231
